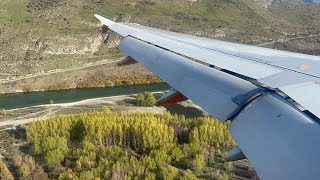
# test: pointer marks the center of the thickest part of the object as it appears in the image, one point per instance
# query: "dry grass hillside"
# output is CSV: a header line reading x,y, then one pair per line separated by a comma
x,y
52,44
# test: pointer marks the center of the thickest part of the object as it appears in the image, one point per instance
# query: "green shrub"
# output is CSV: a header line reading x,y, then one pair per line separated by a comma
x,y
68,175
188,175
228,166
168,173
24,170
145,99
86,175
54,157
221,176
198,163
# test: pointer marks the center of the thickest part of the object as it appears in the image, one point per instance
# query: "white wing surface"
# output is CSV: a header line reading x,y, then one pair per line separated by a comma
x,y
271,97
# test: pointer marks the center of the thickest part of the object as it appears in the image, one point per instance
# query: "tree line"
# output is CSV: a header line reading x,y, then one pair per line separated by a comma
x,y
109,145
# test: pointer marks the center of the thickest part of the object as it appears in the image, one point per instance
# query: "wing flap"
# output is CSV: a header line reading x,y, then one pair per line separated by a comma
x,y
279,140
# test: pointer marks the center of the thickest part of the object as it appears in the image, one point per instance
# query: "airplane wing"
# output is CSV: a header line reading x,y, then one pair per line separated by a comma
x,y
271,97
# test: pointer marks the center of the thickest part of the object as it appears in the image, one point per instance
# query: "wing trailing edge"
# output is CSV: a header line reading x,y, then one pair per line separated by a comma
x,y
279,140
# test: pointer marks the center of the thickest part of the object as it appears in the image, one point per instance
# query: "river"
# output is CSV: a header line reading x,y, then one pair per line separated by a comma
x,y
20,100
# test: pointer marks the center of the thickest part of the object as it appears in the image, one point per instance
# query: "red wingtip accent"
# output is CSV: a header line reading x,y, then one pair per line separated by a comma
x,y
174,99
127,61
104,29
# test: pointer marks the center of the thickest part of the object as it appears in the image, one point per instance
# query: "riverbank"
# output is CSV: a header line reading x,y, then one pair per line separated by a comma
x,y
121,104
111,82
20,100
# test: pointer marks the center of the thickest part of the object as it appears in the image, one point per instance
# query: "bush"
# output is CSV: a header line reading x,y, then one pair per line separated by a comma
x,y
161,157
228,166
198,163
168,173
150,176
221,176
188,175
30,162
50,143
86,175
69,175
54,157
17,160
177,155
24,170
150,99
145,99
140,99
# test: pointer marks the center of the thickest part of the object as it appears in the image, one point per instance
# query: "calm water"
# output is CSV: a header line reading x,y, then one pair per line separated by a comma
x,y
19,100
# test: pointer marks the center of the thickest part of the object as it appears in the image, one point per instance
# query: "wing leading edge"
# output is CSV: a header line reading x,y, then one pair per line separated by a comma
x,y
277,137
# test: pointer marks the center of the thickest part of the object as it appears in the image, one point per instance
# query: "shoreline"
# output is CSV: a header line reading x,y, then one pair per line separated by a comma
x,y
22,100
74,88
81,102
111,82
120,104
43,112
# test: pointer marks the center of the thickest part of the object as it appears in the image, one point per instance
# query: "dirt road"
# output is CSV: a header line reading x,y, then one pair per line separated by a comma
x,y
289,39
88,65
